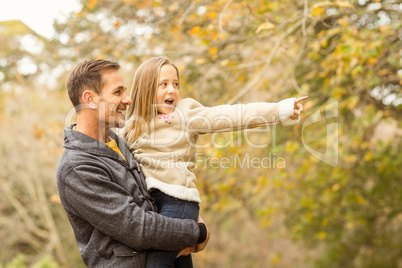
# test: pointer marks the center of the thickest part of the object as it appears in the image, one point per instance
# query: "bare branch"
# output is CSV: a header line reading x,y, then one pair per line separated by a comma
x,y
305,15
221,16
187,13
268,61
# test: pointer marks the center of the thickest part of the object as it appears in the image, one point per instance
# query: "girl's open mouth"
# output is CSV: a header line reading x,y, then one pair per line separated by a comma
x,y
169,102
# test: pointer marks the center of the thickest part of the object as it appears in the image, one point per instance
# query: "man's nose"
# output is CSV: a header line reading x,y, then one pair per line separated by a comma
x,y
127,100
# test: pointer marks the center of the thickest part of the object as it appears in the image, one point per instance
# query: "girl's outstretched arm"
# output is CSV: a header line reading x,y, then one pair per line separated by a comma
x,y
226,118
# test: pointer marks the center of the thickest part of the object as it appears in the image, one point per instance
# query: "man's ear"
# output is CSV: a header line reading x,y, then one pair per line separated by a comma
x,y
88,98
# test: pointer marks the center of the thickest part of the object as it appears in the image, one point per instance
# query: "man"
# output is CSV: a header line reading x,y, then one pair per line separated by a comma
x,y
101,186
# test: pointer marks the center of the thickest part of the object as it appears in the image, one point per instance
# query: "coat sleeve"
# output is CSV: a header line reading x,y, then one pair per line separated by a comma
x,y
110,209
225,118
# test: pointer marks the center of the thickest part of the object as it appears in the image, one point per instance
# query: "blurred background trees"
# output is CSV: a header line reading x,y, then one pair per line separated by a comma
x,y
329,193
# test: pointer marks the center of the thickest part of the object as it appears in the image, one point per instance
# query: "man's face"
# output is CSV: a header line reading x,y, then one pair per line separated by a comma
x,y
113,100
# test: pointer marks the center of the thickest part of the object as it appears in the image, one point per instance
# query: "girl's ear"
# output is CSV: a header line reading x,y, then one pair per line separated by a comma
x,y
88,98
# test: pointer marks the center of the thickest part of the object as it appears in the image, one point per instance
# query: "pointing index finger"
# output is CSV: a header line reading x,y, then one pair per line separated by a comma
x,y
301,99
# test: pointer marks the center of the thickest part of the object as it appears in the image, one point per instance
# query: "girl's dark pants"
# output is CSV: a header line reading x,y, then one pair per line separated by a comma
x,y
173,208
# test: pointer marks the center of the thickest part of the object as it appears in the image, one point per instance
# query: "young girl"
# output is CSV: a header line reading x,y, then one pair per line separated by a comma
x,y
162,131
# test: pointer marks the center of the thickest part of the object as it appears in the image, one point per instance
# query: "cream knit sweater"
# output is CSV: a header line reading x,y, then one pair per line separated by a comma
x,y
168,154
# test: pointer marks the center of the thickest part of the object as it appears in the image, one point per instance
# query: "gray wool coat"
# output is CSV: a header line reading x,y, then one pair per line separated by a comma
x,y
112,214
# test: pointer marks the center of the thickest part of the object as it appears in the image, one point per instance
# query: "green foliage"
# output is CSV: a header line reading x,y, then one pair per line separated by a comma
x,y
20,261
46,262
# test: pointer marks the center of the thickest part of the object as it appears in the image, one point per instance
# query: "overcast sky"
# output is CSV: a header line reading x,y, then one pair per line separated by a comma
x,y
37,14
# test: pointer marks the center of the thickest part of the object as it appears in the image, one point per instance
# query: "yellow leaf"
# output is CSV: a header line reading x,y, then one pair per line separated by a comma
x,y
353,101
321,235
195,30
336,187
266,223
266,26
91,4
372,61
277,184
351,158
317,11
276,259
324,43
213,52
290,186
368,157
360,200
38,132
212,15
214,36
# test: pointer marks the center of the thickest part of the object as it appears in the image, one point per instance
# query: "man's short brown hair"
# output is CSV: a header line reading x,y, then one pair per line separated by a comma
x,y
87,75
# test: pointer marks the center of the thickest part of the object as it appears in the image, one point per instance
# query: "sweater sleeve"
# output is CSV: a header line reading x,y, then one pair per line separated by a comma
x,y
225,118
110,209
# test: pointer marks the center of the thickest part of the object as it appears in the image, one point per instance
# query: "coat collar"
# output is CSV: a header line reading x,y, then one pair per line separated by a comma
x,y
76,140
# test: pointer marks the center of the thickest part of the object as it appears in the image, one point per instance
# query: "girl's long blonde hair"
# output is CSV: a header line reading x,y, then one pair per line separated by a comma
x,y
143,94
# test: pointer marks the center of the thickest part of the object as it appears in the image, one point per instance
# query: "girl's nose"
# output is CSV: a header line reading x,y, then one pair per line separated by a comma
x,y
170,89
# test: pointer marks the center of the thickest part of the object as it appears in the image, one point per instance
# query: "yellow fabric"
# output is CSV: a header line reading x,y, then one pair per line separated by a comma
x,y
112,144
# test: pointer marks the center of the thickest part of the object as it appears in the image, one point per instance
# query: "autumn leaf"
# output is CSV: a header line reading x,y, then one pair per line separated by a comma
x,y
266,26
317,11
195,30
214,36
276,259
212,15
91,4
38,132
321,235
213,52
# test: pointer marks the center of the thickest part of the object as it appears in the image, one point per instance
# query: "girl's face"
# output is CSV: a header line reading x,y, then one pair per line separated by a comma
x,y
168,89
